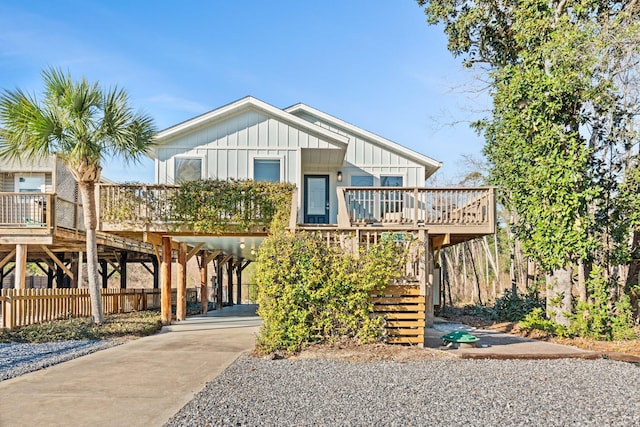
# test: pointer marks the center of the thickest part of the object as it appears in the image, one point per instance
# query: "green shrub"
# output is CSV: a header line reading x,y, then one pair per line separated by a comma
x,y
599,318
512,307
310,292
537,320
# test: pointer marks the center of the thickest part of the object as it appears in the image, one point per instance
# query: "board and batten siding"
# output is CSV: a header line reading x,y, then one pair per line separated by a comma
x,y
366,157
229,147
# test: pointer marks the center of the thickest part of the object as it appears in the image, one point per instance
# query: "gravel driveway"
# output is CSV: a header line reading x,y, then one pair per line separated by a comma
x,y
566,392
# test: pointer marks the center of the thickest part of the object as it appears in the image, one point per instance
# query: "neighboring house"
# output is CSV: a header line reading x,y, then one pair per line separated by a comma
x,y
41,221
301,145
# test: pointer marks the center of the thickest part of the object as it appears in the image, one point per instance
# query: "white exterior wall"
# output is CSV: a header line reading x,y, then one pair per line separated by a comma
x,y
367,158
228,148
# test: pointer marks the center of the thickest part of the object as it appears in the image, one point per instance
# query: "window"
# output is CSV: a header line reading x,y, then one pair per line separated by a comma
x,y
391,181
266,170
188,169
362,180
30,183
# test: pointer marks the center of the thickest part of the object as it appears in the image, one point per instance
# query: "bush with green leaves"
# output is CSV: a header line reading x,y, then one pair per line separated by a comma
x,y
311,292
599,318
537,320
512,307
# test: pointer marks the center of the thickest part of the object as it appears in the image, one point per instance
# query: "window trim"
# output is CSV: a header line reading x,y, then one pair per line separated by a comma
x,y
401,175
259,157
16,183
189,157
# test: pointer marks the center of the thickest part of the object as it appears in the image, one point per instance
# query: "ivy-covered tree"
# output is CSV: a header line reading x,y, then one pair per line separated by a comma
x,y
557,110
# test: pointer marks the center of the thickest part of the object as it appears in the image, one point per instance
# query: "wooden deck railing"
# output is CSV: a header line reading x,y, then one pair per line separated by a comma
x,y
21,210
142,206
134,203
21,307
27,212
415,206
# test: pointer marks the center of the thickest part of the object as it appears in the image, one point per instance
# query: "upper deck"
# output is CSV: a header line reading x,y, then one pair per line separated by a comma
x,y
458,213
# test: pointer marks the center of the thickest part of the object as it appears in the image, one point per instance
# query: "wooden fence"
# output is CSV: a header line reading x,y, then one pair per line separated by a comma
x,y
21,307
403,308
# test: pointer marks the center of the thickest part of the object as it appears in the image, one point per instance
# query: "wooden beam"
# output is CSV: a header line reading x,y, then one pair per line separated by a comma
x,y
165,295
440,241
6,239
226,259
8,258
113,265
211,256
181,303
194,250
153,238
157,252
59,263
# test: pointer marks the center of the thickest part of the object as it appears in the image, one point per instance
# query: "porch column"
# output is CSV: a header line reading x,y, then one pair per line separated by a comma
x,y
219,282
239,281
103,273
74,269
204,303
21,266
230,281
181,303
165,311
123,269
156,271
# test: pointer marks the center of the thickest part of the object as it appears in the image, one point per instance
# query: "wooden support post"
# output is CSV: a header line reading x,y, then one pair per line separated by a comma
x,y
239,281
230,281
103,273
181,303
74,268
165,311
156,271
204,300
50,276
80,267
425,275
21,266
123,269
219,281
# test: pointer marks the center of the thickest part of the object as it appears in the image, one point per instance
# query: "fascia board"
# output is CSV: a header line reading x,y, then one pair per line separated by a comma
x,y
242,105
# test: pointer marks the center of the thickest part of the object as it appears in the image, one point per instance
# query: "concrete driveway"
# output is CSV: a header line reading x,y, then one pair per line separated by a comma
x,y
140,383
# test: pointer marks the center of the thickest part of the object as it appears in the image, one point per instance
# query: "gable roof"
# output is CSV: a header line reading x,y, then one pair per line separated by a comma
x,y
431,165
245,104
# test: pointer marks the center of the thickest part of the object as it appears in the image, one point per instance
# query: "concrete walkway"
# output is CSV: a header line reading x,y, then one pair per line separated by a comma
x,y
140,383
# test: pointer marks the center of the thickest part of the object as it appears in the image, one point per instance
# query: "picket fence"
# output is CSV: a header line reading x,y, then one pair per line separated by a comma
x,y
21,307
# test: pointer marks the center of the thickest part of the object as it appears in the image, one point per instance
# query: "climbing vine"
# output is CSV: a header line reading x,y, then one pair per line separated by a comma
x,y
216,206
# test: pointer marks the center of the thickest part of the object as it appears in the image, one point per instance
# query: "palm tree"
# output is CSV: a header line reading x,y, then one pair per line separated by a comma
x,y
81,124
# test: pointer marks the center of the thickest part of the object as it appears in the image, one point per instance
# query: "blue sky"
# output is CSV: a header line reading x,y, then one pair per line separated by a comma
x,y
375,64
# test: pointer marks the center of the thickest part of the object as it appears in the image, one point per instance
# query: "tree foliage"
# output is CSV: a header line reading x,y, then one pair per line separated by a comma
x,y
563,121
82,124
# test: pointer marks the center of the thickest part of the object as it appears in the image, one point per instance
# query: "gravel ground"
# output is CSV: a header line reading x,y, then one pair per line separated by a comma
x,y
19,359
566,392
